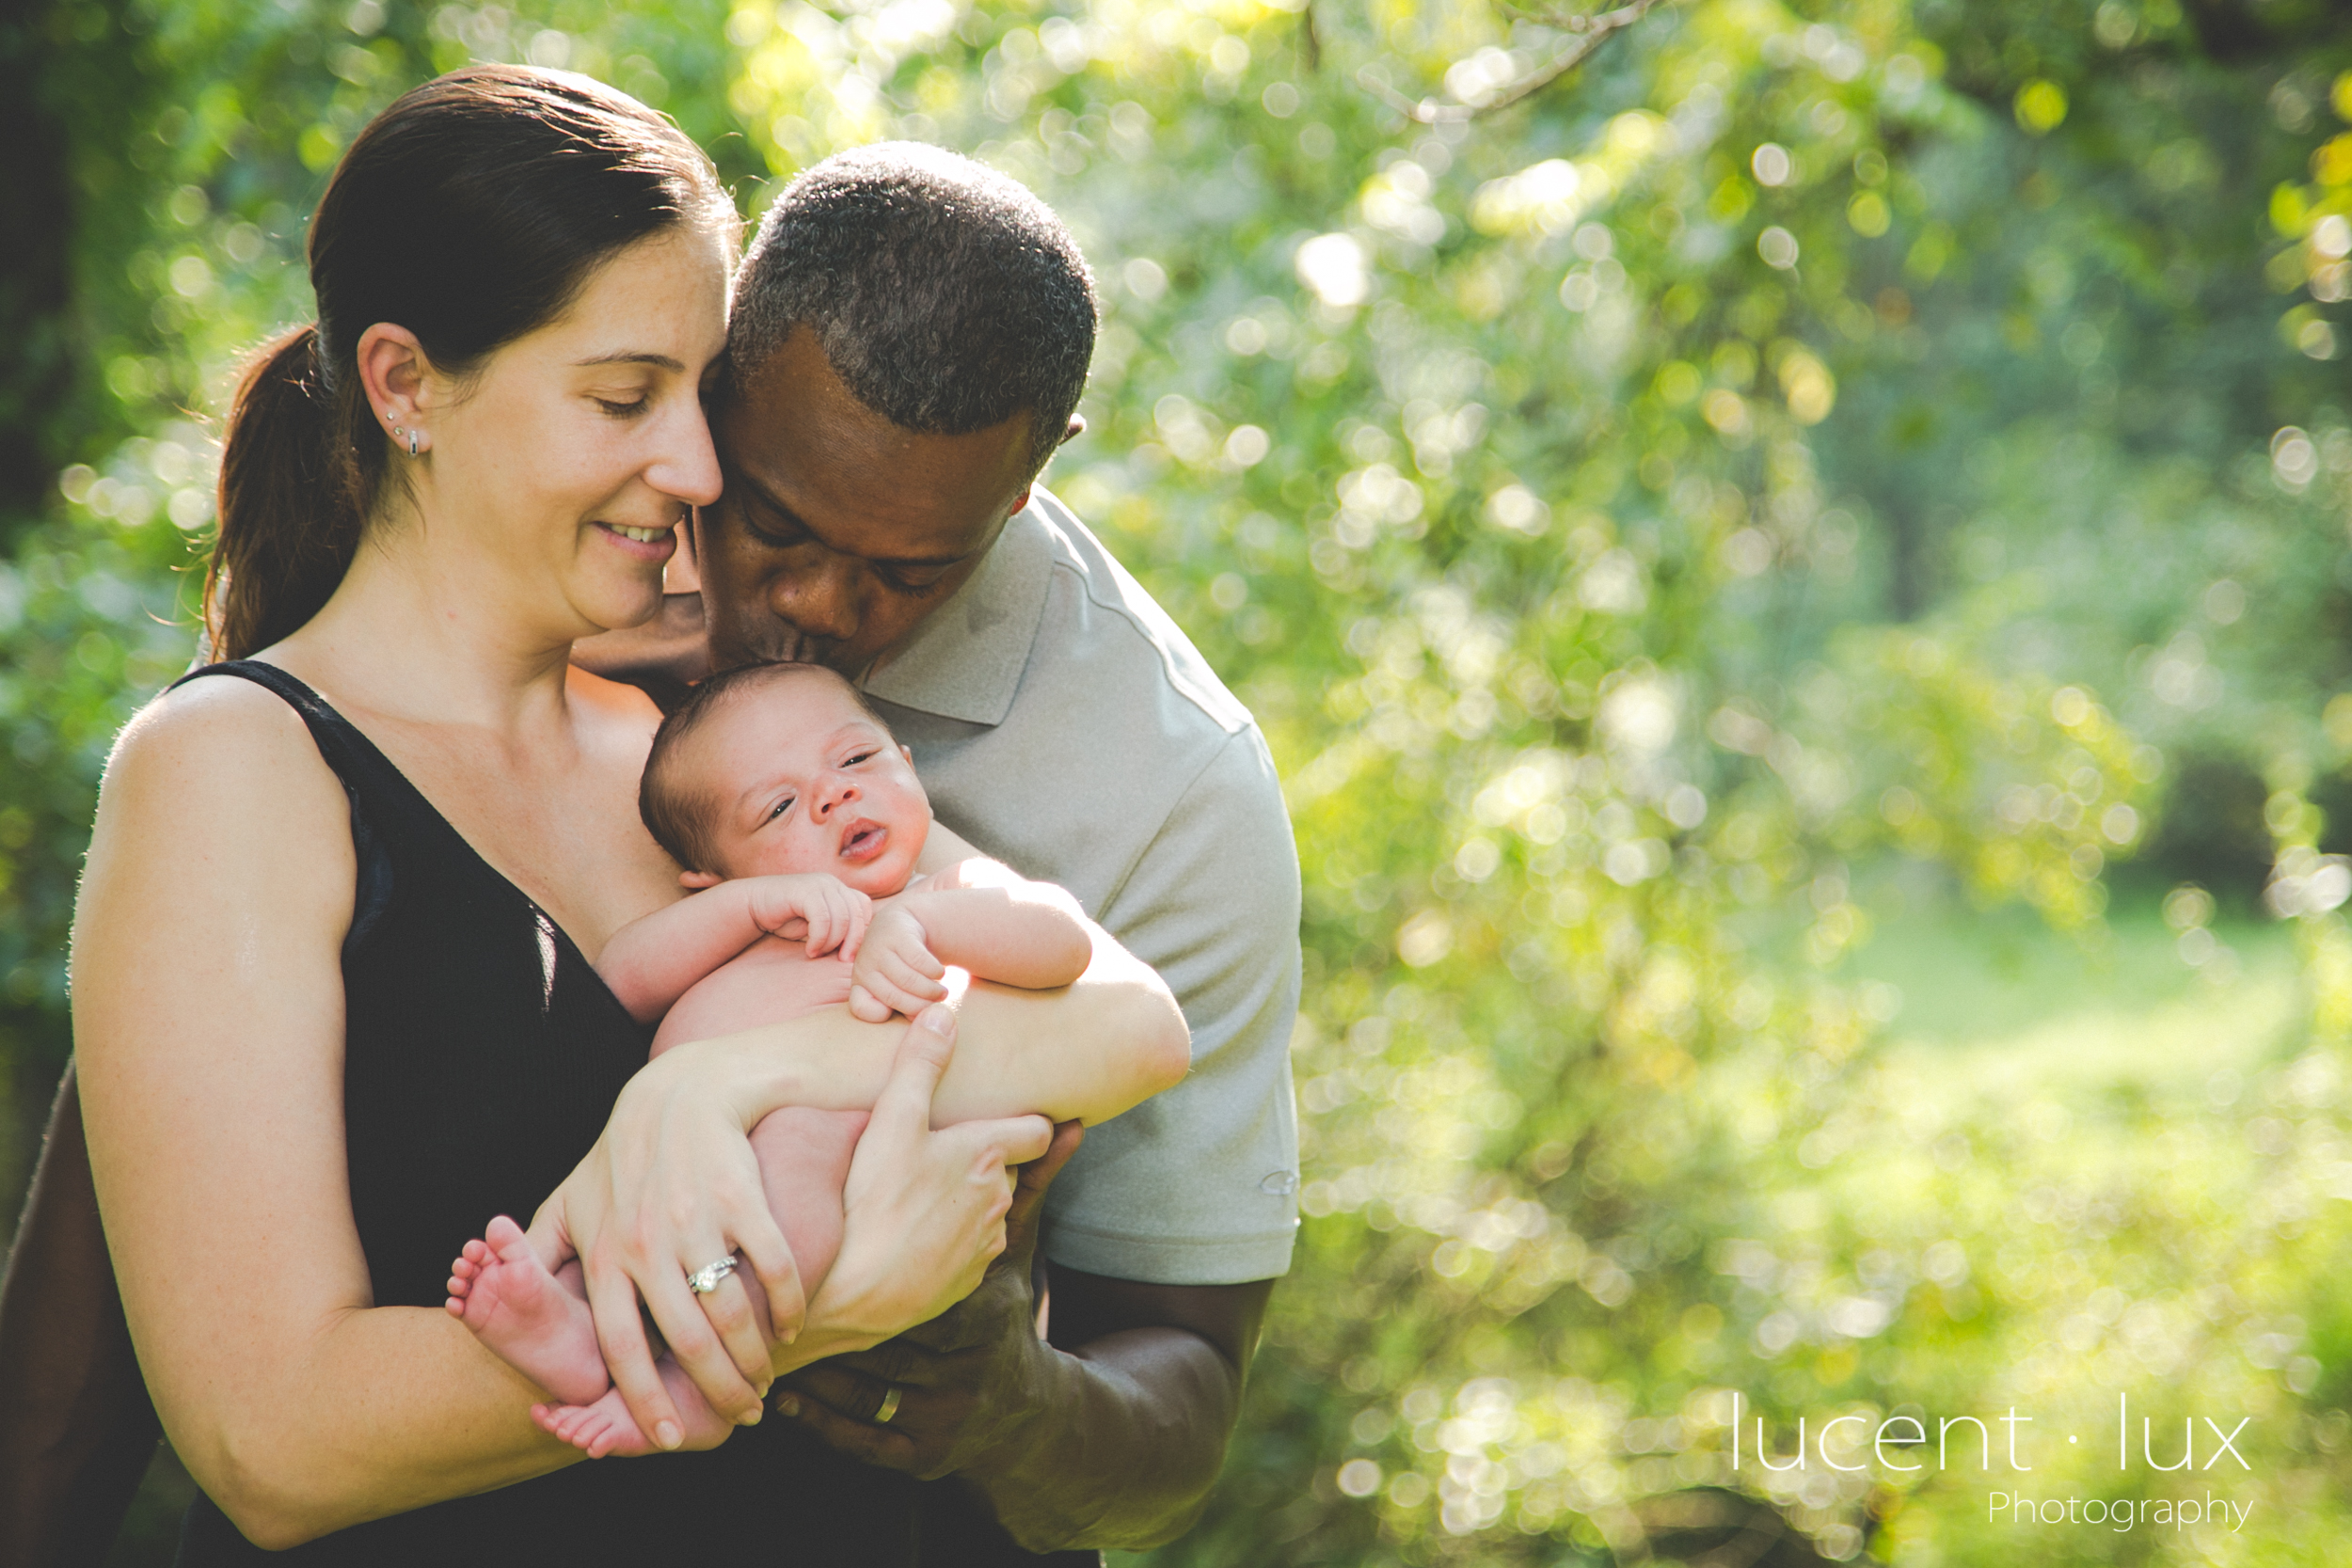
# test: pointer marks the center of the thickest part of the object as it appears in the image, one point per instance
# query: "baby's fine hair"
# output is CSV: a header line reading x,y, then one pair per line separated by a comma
x,y
674,812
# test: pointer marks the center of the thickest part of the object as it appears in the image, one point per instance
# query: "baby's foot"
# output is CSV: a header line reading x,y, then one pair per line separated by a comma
x,y
522,1312
606,1427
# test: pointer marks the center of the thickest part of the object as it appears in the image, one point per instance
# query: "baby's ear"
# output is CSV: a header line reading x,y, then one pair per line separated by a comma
x,y
695,881
907,752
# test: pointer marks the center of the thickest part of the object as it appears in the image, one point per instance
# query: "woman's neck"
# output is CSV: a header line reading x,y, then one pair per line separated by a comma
x,y
427,635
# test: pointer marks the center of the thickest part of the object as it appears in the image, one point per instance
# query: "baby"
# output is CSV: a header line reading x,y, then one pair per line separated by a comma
x,y
801,823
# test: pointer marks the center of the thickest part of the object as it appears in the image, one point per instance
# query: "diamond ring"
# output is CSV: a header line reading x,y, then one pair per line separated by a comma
x,y
705,1279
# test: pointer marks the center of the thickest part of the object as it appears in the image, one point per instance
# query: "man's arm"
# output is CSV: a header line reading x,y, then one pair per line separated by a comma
x,y
1110,1431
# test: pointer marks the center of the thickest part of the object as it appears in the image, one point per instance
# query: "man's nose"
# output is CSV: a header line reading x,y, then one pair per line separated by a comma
x,y
819,598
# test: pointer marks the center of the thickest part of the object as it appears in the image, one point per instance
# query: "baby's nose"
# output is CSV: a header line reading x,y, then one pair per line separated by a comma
x,y
837,793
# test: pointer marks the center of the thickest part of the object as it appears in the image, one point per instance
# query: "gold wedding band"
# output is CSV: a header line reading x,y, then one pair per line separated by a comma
x,y
889,1406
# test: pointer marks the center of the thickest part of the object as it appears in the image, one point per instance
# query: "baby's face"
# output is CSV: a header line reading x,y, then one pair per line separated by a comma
x,y
799,779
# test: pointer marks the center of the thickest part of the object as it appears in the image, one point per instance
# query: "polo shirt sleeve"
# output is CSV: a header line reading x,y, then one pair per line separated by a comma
x,y
1199,1185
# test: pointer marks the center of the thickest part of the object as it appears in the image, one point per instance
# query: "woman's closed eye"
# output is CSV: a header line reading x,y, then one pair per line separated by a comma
x,y
622,409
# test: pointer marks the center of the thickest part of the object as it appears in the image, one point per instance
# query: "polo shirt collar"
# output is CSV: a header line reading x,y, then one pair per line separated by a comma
x,y
965,660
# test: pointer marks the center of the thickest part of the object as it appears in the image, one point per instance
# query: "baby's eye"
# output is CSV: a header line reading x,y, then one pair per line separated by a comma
x,y
781,807
855,758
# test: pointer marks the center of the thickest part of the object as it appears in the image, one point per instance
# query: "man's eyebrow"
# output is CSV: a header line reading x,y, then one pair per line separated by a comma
x,y
625,356
737,478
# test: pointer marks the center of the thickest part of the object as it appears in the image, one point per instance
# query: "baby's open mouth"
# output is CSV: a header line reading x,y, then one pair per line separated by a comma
x,y
864,841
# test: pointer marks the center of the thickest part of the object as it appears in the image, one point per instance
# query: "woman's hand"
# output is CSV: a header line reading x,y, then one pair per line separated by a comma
x,y
924,1210
670,1187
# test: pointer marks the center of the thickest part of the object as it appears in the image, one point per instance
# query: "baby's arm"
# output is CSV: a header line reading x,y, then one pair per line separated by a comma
x,y
651,962
978,916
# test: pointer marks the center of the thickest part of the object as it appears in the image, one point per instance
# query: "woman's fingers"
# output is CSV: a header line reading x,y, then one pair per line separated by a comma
x,y
769,1256
708,1336
1012,1140
621,1335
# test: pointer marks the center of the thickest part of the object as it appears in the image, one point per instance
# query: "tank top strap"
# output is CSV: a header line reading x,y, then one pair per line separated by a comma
x,y
353,756
377,790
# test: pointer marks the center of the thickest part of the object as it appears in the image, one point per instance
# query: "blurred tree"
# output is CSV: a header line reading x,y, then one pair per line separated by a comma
x,y
1794,455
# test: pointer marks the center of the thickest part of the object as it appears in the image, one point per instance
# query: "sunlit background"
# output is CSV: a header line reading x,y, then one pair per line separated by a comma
x,y
1796,573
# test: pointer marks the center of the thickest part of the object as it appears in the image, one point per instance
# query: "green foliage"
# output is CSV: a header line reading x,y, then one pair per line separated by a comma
x,y
1803,467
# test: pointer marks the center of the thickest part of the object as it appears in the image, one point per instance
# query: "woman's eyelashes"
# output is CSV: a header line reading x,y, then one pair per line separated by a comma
x,y
620,409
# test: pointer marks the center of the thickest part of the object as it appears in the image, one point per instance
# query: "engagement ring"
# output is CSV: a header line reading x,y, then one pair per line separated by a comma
x,y
889,1406
705,1279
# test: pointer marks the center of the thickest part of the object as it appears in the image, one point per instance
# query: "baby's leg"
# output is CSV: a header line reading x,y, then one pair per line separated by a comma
x,y
804,1160
537,1322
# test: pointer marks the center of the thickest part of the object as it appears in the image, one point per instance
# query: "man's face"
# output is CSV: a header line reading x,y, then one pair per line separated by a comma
x,y
839,531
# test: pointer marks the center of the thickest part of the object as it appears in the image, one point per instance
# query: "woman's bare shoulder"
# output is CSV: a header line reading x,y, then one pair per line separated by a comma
x,y
221,748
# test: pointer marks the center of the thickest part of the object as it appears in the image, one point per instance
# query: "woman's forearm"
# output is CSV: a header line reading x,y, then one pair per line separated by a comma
x,y
1085,1052
420,1414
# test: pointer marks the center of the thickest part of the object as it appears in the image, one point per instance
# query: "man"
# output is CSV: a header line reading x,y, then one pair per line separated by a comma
x,y
909,336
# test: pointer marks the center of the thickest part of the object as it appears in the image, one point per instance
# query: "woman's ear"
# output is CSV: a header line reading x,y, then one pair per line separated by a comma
x,y
695,881
397,377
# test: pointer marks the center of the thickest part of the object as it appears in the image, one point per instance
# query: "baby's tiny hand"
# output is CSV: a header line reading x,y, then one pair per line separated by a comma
x,y
824,911
895,970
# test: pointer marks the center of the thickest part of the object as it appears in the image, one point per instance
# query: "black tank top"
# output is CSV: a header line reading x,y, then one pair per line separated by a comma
x,y
481,1057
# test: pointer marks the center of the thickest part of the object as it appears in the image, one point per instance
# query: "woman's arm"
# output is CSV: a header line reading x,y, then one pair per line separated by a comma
x,y
673,1157
208,1029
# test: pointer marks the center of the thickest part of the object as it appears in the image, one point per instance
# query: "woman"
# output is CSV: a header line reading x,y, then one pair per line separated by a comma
x,y
332,1000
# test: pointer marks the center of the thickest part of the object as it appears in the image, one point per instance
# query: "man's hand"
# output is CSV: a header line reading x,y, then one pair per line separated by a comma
x,y
895,970
966,1381
1111,1435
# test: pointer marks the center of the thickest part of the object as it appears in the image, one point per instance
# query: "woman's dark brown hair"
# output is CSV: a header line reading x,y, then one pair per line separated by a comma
x,y
470,212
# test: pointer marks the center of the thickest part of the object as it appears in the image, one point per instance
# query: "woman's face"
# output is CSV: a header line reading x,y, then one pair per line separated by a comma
x,y
560,471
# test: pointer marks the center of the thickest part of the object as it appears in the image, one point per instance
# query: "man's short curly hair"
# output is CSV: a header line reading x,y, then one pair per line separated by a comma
x,y
947,297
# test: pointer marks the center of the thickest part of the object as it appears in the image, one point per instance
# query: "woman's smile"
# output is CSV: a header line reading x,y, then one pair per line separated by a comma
x,y
642,544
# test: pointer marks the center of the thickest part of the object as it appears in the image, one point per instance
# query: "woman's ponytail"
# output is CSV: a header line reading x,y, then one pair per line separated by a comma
x,y
289,511
470,212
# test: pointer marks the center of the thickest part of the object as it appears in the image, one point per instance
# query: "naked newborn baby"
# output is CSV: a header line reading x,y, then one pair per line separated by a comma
x,y
800,822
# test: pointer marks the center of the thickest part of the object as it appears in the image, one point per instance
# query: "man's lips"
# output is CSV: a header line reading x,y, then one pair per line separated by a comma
x,y
789,644
864,841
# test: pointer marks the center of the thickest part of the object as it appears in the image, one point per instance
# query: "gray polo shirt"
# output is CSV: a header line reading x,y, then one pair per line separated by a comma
x,y
1063,725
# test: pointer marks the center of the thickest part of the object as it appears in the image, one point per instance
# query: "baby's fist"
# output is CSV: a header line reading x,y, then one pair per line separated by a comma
x,y
895,970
